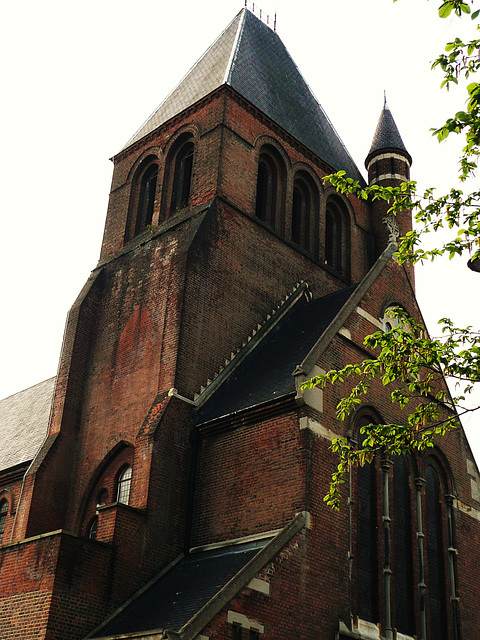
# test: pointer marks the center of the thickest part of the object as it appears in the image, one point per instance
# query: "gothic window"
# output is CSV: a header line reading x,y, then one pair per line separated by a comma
x,y
182,176
270,189
142,203
93,529
123,485
337,237
304,211
391,567
3,516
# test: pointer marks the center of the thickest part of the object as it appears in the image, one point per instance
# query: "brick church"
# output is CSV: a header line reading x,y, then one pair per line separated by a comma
x,y
169,481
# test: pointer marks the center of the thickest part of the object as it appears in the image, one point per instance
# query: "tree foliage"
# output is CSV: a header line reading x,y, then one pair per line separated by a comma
x,y
405,359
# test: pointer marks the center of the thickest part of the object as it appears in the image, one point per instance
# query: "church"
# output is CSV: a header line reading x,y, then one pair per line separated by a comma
x,y
168,483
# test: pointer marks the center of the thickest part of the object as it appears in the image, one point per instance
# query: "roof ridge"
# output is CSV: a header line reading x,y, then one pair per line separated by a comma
x,y
233,54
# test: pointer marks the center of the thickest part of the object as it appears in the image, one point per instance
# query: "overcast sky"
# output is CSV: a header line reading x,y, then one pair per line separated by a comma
x,y
78,80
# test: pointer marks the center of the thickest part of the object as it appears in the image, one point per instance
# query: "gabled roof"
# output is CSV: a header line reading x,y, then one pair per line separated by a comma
x,y
250,57
387,136
267,373
24,422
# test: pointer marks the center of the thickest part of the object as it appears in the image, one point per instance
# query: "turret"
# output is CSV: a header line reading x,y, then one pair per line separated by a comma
x,y
388,161
388,164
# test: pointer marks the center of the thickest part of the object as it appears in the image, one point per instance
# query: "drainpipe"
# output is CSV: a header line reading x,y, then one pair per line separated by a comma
x,y
422,587
452,553
387,570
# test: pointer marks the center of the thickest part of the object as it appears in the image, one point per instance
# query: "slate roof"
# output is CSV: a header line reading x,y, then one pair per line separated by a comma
x,y
171,601
251,58
387,136
24,422
266,374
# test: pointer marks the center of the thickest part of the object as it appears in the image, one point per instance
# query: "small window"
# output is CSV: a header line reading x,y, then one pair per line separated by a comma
x,y
144,188
93,530
123,485
182,177
3,517
305,212
146,201
236,632
337,237
267,179
270,195
254,634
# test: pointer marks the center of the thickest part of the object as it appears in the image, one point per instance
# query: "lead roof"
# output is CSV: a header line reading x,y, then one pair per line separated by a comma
x,y
172,600
250,57
267,373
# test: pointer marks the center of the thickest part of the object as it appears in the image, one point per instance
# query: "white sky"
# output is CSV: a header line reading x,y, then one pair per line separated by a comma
x,y
79,79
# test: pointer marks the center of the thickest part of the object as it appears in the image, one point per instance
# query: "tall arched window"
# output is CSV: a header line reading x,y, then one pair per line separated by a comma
x,y
142,202
3,517
402,548
305,212
337,237
182,177
123,485
436,591
269,205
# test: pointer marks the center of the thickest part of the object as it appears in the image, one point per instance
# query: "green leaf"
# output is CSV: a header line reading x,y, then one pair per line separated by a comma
x,y
445,9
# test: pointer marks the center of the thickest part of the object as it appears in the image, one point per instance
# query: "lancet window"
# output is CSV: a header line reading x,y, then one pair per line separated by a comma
x,y
304,212
181,168
337,237
3,517
270,195
142,201
404,529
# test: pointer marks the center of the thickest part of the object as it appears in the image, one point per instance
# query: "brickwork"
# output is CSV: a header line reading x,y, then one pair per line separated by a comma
x,y
157,320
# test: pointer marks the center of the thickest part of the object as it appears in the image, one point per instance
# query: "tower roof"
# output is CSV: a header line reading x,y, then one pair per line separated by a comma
x,y
387,136
250,57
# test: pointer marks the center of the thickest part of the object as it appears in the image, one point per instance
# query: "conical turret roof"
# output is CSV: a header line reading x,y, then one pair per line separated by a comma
x,y
387,136
251,58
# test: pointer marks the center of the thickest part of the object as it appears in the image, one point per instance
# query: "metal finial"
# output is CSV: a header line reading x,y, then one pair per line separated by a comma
x,y
260,14
275,23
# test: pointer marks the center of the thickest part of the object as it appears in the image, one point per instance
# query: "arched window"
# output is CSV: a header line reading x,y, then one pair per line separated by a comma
x,y
393,569
267,180
269,204
182,177
123,485
93,529
142,203
337,237
304,212
3,517
436,592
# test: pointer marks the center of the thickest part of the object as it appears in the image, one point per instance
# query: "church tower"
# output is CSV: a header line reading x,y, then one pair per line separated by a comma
x,y
179,490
